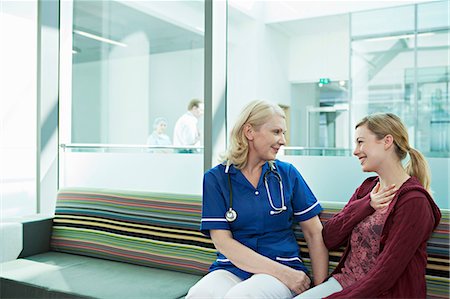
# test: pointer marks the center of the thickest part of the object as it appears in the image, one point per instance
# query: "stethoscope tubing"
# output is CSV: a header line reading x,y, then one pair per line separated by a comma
x,y
231,214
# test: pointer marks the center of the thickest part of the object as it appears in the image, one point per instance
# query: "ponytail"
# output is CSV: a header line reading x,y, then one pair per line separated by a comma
x,y
417,166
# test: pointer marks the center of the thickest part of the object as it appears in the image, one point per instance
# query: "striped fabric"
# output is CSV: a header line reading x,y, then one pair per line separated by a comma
x,y
162,231
147,229
437,272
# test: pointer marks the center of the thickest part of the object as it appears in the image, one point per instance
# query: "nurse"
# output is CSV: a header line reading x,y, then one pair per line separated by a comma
x,y
250,203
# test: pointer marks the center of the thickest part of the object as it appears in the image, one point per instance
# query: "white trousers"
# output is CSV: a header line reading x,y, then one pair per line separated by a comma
x,y
223,284
322,290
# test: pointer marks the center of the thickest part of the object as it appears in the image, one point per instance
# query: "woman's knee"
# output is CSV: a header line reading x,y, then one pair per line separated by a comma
x,y
214,285
259,286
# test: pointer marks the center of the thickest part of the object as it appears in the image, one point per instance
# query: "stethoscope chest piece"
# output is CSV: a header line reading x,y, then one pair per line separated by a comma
x,y
230,215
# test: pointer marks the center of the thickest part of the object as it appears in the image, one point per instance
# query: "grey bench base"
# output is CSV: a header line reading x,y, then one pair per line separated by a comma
x,y
62,275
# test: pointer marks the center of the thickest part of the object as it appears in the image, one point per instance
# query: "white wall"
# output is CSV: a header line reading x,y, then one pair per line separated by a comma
x,y
86,103
18,108
319,48
175,79
257,64
116,101
127,91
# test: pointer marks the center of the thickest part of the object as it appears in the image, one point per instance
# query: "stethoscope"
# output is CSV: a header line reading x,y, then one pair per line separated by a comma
x,y
231,214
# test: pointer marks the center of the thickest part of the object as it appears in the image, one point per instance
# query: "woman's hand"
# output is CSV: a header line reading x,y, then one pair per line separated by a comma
x,y
382,197
297,281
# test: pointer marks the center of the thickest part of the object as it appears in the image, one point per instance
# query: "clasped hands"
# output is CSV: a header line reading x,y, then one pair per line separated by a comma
x,y
297,281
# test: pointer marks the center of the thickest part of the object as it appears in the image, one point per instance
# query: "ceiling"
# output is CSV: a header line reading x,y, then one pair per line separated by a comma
x,y
117,21
178,25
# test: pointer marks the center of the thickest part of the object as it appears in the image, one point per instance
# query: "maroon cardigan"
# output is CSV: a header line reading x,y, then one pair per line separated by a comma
x,y
399,271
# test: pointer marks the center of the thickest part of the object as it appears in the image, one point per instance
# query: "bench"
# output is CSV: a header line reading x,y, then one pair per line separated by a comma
x,y
113,244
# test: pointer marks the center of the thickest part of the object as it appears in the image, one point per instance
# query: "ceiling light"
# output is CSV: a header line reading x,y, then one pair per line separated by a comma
x,y
99,38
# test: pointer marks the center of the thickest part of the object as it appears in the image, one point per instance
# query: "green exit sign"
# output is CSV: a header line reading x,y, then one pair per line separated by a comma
x,y
324,80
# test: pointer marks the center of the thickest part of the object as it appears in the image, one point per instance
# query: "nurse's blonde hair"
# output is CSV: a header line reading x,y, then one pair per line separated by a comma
x,y
382,124
256,113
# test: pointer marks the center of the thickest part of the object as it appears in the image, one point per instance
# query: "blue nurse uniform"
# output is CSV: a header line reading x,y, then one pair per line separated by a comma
x,y
268,234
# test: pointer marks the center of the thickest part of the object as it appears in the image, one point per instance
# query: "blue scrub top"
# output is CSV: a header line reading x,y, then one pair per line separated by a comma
x,y
254,227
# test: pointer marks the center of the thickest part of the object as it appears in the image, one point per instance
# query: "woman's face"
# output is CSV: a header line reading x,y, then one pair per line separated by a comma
x,y
267,140
369,150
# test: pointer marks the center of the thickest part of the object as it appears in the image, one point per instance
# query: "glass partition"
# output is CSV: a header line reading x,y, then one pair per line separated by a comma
x,y
136,66
134,62
404,69
433,77
329,72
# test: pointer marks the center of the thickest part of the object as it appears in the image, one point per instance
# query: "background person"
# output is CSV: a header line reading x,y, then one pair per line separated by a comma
x,y
387,222
250,203
186,132
158,136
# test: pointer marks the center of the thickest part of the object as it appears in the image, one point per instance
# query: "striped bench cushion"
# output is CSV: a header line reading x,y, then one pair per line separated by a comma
x,y
437,272
147,229
162,231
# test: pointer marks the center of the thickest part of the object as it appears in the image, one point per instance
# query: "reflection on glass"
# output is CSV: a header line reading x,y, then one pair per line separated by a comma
x,y
133,62
328,119
395,19
407,73
378,68
326,106
433,91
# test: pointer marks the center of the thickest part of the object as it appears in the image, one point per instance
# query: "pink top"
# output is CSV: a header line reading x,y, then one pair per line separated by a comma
x,y
365,247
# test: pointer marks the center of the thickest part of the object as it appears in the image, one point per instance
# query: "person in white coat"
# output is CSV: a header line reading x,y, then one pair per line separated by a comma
x,y
186,132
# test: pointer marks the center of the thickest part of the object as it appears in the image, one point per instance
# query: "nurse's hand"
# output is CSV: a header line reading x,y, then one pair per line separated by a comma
x,y
296,281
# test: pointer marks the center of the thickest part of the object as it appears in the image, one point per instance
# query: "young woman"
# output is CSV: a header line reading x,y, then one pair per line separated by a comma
x,y
250,203
387,222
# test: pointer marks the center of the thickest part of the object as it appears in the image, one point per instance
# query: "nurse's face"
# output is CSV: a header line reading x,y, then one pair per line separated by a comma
x,y
266,141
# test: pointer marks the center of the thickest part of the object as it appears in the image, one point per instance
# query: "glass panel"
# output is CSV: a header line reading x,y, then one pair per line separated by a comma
x,y
383,21
134,62
433,89
132,170
18,108
378,68
433,15
283,61
136,67
328,125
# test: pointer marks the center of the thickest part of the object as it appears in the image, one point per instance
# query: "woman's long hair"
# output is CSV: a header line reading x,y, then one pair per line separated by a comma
x,y
382,124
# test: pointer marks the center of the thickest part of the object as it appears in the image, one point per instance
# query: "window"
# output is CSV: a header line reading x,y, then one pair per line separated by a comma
x,y
133,63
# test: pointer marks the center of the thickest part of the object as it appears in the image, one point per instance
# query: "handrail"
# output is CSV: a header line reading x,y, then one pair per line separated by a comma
x,y
107,145
136,146
285,150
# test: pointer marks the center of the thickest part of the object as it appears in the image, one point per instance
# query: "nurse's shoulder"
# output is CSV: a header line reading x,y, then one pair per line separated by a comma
x,y
216,172
285,167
